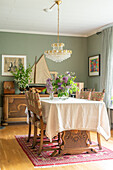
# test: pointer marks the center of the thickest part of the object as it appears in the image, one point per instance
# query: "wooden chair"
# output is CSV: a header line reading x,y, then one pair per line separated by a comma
x,y
84,94
30,113
98,96
34,106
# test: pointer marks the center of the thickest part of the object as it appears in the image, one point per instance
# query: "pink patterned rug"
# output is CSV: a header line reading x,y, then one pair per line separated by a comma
x,y
44,160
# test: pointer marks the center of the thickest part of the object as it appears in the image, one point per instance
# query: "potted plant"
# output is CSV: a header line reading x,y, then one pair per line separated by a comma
x,y
22,76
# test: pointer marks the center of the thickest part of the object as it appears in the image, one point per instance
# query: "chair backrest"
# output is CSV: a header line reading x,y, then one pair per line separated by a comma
x,y
98,96
85,94
33,102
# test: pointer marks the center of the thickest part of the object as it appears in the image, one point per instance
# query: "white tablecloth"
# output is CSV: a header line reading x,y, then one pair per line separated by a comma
x,y
78,114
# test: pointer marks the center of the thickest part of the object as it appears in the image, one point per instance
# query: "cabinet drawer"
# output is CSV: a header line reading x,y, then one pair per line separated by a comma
x,y
16,107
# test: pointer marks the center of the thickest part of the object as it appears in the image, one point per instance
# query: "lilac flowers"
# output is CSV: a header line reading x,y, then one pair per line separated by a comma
x,y
65,79
49,85
63,84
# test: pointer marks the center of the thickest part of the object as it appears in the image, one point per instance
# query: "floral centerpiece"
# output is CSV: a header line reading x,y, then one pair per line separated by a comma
x,y
22,76
64,84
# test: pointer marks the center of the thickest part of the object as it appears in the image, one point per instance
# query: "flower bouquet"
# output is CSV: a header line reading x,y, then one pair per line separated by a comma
x,y
63,84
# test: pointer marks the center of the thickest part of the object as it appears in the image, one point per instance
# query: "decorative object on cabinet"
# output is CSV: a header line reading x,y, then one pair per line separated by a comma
x,y
40,72
39,87
94,65
8,87
80,85
22,76
11,62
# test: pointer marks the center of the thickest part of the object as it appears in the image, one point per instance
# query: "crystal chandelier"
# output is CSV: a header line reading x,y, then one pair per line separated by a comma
x,y
57,54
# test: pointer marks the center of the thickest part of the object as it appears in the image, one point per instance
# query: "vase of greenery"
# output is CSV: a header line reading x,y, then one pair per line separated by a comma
x,y
22,77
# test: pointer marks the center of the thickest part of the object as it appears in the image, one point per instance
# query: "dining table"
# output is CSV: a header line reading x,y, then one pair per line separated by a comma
x,y
74,118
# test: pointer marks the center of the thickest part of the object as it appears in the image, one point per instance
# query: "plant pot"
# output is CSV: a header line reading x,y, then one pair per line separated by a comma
x,y
21,90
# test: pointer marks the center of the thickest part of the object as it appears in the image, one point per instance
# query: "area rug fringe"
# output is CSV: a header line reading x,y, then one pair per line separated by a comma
x,y
58,165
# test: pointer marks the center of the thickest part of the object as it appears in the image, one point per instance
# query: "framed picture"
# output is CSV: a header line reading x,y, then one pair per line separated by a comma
x,y
94,65
10,62
53,74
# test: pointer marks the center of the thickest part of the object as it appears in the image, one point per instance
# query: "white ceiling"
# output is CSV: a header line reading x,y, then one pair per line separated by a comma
x,y
77,17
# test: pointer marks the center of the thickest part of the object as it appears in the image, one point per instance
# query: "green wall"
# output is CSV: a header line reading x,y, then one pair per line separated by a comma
x,y
33,45
94,45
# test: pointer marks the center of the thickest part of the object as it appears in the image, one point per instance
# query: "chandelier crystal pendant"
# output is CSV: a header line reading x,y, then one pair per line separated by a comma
x,y
57,54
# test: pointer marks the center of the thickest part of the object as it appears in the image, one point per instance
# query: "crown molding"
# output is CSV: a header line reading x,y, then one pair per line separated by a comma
x,y
41,33
100,29
92,33
61,34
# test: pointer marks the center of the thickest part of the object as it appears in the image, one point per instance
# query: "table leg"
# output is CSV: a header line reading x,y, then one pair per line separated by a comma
x,y
75,142
99,141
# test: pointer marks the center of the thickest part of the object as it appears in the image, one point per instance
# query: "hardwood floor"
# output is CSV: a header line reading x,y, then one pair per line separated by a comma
x,y
12,157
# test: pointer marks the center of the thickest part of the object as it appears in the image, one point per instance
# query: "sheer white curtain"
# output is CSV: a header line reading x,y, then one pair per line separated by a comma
x,y
107,64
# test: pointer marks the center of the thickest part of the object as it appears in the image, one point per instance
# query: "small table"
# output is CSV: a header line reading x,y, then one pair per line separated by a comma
x,y
110,115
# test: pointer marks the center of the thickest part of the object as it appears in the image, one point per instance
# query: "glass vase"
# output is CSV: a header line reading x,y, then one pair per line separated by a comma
x,y
63,94
51,96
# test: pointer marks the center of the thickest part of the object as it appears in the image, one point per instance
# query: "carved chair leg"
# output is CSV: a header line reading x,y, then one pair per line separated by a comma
x,y
41,142
29,133
89,137
41,137
35,132
99,141
58,137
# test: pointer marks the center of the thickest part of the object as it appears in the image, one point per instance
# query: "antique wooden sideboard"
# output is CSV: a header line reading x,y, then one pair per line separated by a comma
x,y
14,106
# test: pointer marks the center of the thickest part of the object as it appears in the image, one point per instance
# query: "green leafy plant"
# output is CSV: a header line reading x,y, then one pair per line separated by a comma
x,y
22,76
